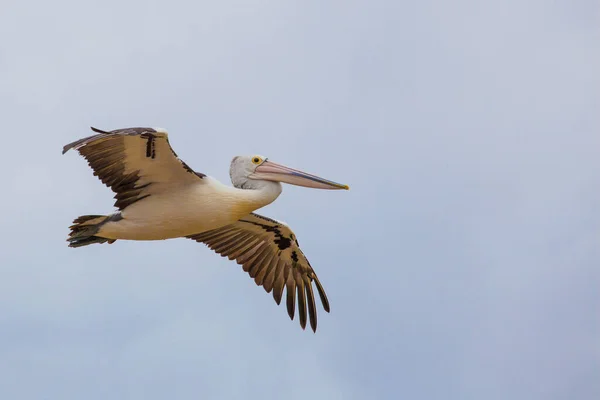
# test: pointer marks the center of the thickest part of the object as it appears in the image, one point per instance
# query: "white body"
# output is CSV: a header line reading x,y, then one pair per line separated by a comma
x,y
188,210
160,197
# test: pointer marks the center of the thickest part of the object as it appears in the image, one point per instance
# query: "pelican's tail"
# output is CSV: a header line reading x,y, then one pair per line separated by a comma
x,y
85,228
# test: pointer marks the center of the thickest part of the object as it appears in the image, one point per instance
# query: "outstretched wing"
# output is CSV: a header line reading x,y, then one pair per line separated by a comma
x,y
269,252
134,162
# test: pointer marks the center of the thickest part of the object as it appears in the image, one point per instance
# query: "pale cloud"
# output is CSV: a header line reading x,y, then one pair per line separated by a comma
x,y
462,264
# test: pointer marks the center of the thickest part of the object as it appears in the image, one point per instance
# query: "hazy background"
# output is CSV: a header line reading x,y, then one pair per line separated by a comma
x,y
463,264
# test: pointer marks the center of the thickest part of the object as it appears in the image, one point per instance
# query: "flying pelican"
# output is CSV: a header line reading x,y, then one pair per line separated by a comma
x,y
158,196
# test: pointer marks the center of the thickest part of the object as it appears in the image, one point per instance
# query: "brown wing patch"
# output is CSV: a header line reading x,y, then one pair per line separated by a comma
x,y
112,156
105,158
268,251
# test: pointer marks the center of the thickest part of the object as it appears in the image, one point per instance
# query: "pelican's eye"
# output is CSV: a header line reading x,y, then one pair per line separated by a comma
x,y
256,160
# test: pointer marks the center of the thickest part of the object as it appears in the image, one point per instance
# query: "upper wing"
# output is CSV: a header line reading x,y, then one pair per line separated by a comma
x,y
134,162
269,252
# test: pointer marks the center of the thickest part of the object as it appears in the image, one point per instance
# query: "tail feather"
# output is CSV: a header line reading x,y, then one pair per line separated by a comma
x,y
85,228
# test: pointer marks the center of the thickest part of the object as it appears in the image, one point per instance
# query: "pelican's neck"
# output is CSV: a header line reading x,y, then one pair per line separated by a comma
x,y
258,195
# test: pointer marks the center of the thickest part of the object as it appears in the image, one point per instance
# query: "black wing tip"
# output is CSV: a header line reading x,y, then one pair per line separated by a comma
x,y
322,294
313,328
98,130
313,325
69,146
77,142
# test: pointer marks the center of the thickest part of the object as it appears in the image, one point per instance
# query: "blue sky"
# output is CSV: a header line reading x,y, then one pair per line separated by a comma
x,y
463,263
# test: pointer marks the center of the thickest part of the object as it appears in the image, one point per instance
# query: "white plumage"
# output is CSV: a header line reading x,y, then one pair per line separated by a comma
x,y
158,196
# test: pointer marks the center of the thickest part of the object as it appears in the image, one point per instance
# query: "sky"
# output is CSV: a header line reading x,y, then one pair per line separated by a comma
x,y
464,263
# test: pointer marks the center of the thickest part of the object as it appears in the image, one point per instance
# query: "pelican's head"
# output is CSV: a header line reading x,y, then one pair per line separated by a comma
x,y
247,172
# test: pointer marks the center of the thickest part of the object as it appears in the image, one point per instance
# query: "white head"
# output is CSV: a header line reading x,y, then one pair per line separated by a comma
x,y
256,172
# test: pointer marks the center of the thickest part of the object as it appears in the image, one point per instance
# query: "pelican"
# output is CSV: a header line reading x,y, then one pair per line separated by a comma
x,y
158,196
